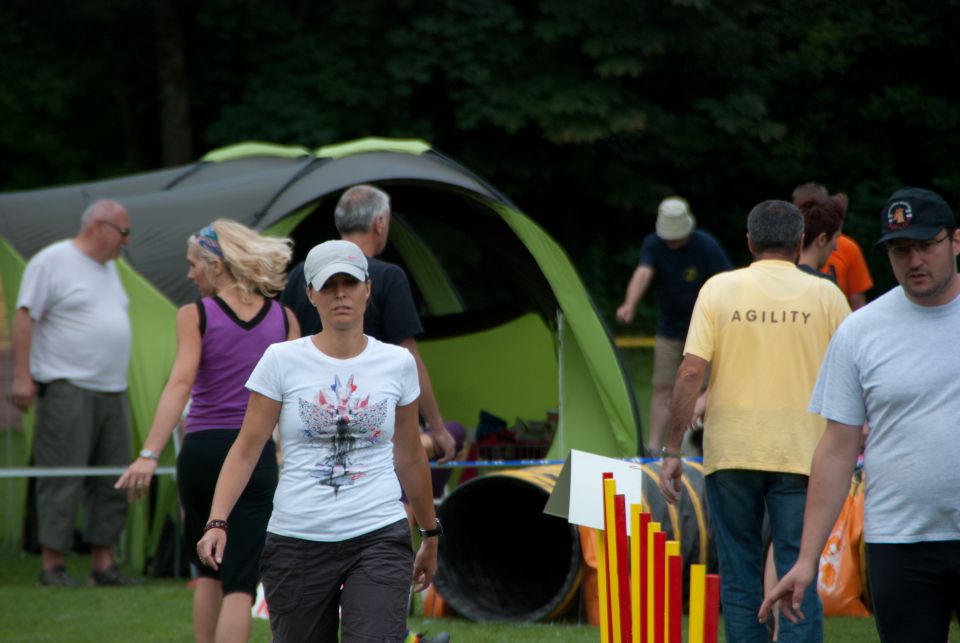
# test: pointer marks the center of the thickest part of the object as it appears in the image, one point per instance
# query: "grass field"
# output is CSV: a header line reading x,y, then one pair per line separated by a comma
x,y
160,611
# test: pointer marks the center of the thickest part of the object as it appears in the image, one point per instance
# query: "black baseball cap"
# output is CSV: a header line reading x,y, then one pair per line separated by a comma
x,y
915,213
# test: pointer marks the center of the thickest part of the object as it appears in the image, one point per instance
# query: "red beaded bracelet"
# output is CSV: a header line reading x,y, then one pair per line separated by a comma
x,y
215,524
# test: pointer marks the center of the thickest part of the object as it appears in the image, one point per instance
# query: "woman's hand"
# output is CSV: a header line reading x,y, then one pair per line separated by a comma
x,y
136,479
425,564
210,547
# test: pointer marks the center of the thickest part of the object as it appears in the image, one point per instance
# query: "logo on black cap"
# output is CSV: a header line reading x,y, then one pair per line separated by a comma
x,y
899,215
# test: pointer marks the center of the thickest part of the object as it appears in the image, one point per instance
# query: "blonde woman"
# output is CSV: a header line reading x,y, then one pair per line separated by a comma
x,y
337,554
219,341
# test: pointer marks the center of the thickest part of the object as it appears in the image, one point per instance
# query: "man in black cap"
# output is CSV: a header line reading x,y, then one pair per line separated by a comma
x,y
886,364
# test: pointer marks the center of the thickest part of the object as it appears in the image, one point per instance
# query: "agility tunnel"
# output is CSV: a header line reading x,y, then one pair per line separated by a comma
x,y
503,559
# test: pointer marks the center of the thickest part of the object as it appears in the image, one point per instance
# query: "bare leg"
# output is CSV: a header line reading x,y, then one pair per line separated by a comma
x,y
207,598
50,558
659,413
235,618
101,557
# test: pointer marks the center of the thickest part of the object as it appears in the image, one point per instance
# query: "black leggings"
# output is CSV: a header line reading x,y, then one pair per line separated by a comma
x,y
198,468
915,589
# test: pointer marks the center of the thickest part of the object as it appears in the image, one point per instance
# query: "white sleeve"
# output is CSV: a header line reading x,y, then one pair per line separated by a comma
x,y
409,381
35,289
838,393
266,378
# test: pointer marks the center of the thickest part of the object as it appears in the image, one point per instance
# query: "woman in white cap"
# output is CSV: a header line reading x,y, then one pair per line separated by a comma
x,y
337,554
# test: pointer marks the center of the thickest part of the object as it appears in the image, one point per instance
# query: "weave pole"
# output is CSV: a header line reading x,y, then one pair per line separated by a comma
x,y
652,529
603,597
613,567
697,592
674,591
638,572
711,608
640,580
623,568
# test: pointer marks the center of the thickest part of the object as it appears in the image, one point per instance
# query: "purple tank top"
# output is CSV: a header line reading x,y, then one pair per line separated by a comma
x,y
230,349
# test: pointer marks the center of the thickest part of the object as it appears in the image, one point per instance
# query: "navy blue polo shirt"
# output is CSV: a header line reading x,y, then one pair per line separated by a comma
x,y
679,275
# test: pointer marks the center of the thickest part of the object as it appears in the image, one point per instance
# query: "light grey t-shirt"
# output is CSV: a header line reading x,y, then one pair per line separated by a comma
x,y
897,365
82,329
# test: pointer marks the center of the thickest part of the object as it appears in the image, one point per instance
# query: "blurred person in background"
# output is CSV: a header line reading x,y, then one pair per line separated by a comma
x,y
219,341
681,259
71,350
846,263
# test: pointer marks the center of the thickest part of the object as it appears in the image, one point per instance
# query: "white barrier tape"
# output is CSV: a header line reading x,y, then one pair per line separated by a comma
x,y
68,472
64,472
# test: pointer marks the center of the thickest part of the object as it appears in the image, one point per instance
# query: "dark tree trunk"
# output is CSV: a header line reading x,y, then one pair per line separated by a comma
x,y
176,132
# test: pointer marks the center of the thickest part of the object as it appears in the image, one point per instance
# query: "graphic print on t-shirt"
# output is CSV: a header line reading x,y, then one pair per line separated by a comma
x,y
341,427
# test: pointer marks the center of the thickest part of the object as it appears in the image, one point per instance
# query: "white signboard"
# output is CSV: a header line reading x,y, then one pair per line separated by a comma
x,y
578,495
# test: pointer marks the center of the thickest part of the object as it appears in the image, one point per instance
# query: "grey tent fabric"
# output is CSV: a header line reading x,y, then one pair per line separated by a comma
x,y
165,206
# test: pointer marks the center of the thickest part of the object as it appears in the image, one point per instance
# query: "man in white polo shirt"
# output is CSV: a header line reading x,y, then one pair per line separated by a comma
x,y
71,350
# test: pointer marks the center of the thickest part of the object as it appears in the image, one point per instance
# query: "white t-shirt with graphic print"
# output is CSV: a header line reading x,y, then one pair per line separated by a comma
x,y
336,430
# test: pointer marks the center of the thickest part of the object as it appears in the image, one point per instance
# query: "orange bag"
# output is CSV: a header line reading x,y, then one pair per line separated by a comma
x,y
591,598
839,582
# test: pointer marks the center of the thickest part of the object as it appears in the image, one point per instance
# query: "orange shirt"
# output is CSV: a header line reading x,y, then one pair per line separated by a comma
x,y
849,267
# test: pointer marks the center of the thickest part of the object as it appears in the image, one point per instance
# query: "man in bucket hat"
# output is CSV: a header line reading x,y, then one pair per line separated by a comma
x,y
882,365
682,258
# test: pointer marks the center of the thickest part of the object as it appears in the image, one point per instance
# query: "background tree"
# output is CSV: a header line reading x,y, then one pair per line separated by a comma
x,y
585,114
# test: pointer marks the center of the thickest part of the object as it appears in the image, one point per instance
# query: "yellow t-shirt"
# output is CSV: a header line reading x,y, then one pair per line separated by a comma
x,y
765,329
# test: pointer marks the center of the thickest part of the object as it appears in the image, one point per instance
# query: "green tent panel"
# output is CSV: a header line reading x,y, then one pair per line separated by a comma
x,y
509,326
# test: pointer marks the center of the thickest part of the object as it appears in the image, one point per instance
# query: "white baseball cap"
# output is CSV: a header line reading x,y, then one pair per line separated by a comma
x,y
674,219
334,257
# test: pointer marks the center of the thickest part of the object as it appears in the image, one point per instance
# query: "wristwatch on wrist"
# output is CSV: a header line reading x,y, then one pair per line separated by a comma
x,y
150,455
669,454
428,533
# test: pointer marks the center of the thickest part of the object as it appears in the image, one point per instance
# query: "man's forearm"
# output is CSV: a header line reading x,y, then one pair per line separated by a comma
x,y
831,472
21,334
429,408
686,389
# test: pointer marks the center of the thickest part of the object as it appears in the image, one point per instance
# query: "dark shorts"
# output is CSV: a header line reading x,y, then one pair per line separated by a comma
x,y
198,467
78,427
360,585
915,589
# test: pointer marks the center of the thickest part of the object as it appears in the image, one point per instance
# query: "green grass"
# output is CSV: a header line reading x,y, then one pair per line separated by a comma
x,y
161,610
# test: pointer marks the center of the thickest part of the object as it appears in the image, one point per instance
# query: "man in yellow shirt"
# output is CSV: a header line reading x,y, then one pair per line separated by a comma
x,y
764,330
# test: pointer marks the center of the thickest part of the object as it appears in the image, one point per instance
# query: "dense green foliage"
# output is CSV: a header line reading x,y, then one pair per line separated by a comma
x,y
586,114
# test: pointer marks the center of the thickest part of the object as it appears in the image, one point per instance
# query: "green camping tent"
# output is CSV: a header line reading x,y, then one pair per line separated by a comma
x,y
509,326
